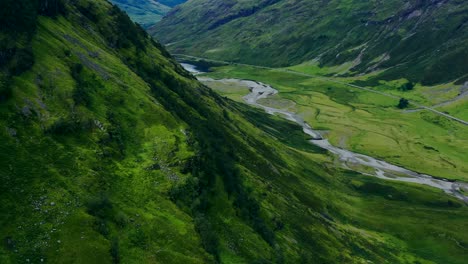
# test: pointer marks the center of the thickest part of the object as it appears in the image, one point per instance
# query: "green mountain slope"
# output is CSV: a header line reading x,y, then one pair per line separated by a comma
x,y
111,153
423,41
147,12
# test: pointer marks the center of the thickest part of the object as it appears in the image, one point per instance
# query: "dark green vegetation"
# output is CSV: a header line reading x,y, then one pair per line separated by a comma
x,y
407,86
111,153
420,40
147,12
403,103
18,20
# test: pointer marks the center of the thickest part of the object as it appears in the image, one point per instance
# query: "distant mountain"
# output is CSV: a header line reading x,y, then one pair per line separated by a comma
x,y
421,40
147,12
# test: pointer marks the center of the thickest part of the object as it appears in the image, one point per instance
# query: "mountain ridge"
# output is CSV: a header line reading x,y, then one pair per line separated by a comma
x,y
417,40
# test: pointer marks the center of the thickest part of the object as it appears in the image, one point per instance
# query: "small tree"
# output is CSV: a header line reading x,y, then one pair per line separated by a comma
x,y
407,86
403,103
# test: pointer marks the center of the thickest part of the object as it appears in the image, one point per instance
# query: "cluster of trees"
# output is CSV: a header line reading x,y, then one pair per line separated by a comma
x,y
121,33
18,20
407,86
18,23
403,103
128,33
216,157
86,84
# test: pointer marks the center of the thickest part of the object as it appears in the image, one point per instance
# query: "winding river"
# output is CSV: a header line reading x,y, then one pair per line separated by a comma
x,y
348,159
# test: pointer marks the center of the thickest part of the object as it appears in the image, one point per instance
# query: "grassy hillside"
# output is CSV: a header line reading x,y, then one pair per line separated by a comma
x,y
423,41
111,153
147,12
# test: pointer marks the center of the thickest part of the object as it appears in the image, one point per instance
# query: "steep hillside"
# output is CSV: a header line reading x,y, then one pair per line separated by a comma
x,y
424,41
110,152
147,12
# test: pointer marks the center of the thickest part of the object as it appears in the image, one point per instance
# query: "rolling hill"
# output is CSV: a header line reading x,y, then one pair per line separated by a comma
x,y
423,41
110,152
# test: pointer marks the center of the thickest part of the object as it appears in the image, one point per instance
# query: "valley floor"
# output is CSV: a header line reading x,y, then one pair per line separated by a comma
x,y
366,120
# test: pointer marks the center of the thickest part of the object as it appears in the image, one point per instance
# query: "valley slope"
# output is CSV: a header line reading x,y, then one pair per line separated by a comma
x,y
110,152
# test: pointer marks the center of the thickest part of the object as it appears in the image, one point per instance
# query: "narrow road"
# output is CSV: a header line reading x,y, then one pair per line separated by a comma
x,y
331,80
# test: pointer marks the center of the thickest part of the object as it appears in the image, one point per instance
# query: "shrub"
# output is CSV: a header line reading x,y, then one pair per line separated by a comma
x,y
99,206
86,84
138,238
403,103
89,10
208,235
121,219
76,70
114,250
407,86
66,126
100,225
62,127
5,90
22,61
